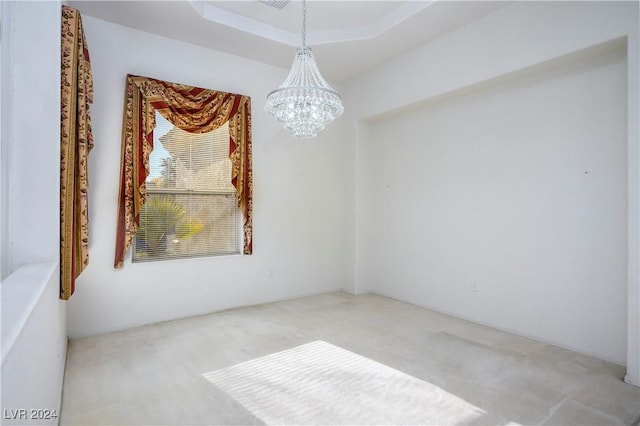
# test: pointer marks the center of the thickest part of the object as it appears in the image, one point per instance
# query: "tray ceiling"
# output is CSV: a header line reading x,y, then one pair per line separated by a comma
x,y
348,37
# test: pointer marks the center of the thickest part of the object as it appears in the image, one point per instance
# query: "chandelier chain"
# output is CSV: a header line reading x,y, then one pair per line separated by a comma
x,y
304,23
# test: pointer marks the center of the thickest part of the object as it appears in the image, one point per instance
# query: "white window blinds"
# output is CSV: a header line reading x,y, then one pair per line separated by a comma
x,y
191,208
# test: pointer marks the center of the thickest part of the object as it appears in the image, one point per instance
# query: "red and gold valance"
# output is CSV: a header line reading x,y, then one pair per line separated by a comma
x,y
192,109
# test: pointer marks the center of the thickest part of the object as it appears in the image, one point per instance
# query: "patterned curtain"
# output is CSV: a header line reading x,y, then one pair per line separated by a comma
x,y
192,109
75,143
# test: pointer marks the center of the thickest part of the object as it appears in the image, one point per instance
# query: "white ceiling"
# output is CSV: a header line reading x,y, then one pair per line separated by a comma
x,y
348,37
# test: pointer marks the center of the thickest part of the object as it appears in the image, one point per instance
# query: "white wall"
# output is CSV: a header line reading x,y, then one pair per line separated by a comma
x,y
517,36
6,83
464,221
299,218
33,360
520,188
34,137
633,302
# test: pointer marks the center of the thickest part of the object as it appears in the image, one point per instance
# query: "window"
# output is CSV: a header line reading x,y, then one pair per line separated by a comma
x,y
191,208
194,108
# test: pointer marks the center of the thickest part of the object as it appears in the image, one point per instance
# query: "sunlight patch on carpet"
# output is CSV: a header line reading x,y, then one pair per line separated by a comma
x,y
319,383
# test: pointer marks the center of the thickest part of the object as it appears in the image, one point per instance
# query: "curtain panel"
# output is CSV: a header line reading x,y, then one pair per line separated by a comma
x,y
76,90
195,110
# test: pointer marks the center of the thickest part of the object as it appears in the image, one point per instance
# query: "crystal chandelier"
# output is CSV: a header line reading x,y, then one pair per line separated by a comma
x,y
305,102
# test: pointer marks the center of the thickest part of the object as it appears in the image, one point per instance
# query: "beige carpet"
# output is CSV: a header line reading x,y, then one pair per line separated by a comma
x,y
319,383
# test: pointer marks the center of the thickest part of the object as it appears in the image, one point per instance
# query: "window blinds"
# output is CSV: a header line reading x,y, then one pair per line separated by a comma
x,y
191,208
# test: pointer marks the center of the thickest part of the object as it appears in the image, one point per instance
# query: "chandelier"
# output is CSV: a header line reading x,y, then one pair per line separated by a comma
x,y
305,102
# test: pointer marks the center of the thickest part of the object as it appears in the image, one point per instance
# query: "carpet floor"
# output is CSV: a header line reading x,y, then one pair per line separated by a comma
x,y
336,359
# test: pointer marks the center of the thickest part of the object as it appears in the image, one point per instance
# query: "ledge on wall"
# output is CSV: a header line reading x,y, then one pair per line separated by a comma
x,y
21,292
